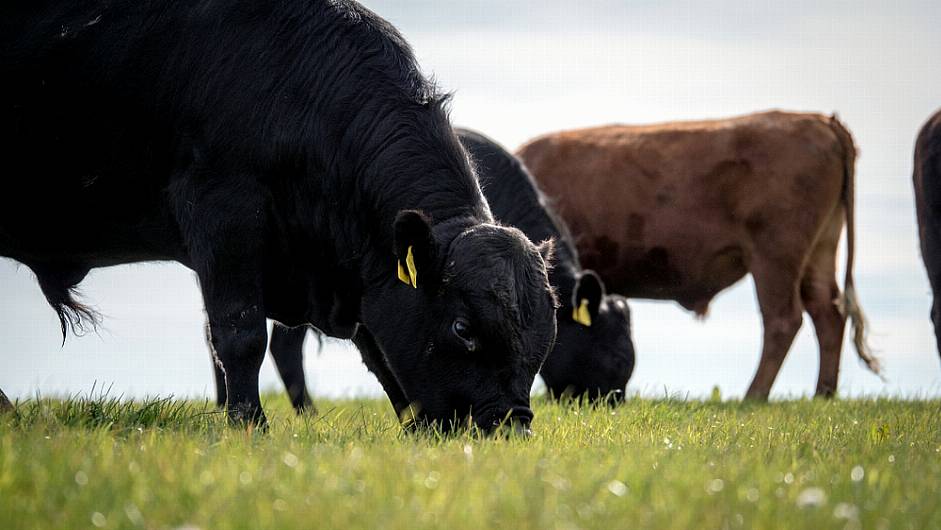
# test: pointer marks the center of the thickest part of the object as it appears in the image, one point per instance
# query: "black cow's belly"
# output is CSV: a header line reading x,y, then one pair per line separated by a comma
x,y
57,216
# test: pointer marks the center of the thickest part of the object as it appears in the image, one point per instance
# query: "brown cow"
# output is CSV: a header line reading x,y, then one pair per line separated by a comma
x,y
681,211
927,180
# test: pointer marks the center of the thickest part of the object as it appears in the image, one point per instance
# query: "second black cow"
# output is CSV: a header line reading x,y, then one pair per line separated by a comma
x,y
593,354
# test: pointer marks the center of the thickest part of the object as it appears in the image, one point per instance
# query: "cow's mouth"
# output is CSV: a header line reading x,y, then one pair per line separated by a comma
x,y
514,421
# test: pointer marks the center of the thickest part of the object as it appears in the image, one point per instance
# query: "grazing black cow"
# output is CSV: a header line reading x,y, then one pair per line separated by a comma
x,y
593,354
292,155
927,180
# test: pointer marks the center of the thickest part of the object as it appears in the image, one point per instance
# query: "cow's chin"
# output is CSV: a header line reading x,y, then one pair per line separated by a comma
x,y
489,421
511,426
441,423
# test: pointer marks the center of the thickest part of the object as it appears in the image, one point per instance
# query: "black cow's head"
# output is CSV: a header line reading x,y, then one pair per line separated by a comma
x,y
465,322
594,353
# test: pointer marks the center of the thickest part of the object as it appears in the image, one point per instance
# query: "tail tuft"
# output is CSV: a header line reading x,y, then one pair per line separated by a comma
x,y
73,316
851,308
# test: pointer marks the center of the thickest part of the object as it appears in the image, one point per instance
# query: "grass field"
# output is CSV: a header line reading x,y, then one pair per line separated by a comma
x,y
664,464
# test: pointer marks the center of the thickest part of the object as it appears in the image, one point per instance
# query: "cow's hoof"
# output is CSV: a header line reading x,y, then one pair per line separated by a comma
x,y
247,416
306,409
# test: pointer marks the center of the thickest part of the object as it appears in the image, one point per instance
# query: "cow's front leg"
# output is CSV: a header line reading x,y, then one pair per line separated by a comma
x,y
239,336
224,230
375,361
218,375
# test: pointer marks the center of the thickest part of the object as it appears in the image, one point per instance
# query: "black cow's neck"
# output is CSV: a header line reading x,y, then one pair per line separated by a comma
x,y
410,161
563,276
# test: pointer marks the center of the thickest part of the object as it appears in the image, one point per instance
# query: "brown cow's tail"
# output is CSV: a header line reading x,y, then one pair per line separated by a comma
x,y
849,304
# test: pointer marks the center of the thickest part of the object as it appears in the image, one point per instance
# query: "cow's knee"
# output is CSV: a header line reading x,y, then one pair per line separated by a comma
x,y
782,327
240,342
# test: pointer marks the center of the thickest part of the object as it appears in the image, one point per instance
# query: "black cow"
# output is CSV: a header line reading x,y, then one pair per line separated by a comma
x,y
927,180
593,353
292,155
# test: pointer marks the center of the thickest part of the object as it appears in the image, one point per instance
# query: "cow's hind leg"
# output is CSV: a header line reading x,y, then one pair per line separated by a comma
x,y
287,350
779,301
820,294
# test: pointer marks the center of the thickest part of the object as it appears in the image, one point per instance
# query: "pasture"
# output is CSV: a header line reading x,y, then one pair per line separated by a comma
x,y
666,463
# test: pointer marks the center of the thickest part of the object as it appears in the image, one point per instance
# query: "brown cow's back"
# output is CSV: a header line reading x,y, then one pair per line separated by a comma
x,y
673,211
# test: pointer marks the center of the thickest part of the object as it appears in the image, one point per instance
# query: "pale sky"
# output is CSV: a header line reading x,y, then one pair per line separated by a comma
x,y
519,69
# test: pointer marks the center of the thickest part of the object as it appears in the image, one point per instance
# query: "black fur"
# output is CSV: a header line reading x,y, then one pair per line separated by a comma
x,y
927,180
269,146
596,360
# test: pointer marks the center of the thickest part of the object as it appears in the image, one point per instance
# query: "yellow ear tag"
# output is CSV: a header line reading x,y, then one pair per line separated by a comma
x,y
403,276
409,277
410,263
581,315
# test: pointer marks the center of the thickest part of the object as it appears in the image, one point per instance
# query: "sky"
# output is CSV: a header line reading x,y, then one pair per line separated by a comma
x,y
520,69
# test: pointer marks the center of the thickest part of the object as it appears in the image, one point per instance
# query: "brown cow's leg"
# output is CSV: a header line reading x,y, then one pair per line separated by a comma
x,y
821,294
820,298
779,301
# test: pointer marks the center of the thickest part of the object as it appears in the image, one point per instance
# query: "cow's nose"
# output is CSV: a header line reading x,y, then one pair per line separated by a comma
x,y
522,429
522,414
614,398
517,422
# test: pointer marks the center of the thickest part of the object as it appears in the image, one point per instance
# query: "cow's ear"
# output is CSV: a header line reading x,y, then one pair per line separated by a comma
x,y
415,248
547,251
586,298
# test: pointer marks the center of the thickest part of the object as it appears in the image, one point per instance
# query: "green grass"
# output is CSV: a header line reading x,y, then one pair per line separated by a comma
x,y
663,464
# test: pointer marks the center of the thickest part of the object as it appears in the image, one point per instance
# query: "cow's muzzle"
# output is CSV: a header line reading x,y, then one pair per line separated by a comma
x,y
514,422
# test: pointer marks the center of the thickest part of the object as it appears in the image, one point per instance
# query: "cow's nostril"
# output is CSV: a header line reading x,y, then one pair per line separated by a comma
x,y
522,429
524,414
614,398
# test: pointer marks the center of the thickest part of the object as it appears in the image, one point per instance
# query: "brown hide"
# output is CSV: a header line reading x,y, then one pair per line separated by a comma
x,y
680,211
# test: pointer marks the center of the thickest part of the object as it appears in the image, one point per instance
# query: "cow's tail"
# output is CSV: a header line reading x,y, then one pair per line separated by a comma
x,y
73,315
849,304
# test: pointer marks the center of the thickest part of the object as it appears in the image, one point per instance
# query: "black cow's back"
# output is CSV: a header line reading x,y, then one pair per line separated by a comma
x,y
516,200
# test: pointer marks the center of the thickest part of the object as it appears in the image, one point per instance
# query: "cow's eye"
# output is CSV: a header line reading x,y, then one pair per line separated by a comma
x,y
462,330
